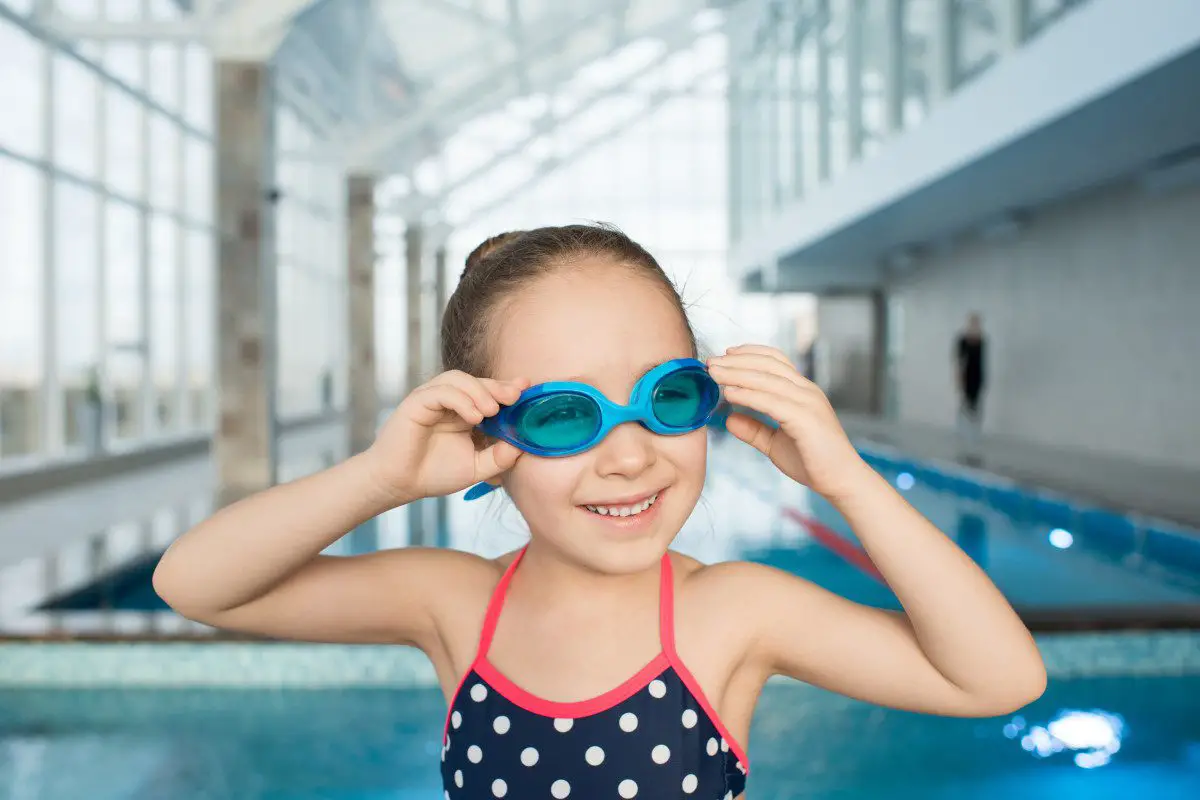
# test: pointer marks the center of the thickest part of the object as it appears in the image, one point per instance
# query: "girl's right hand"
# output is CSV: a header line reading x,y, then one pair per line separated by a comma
x,y
426,448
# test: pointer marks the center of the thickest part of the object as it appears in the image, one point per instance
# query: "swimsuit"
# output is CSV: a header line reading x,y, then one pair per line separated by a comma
x,y
654,737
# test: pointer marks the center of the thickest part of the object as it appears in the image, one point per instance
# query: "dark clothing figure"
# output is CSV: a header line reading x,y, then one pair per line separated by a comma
x,y
970,370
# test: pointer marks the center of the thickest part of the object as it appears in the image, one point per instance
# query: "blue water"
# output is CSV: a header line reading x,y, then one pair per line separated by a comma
x,y
1044,554
383,745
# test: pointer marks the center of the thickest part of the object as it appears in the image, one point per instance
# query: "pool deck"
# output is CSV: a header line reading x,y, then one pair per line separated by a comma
x,y
1152,490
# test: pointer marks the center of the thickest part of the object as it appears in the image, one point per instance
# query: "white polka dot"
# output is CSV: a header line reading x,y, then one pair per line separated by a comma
x,y
627,789
594,756
689,718
499,788
661,754
712,747
728,796
529,756
628,722
478,692
724,745
500,725
689,783
455,720
563,725
446,795
560,789
658,688
474,754
458,778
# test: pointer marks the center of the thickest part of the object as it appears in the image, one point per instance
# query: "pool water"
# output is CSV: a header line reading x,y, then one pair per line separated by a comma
x,y
1141,737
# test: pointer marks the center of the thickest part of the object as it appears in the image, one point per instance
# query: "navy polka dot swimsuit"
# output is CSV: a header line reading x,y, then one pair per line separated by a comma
x,y
654,737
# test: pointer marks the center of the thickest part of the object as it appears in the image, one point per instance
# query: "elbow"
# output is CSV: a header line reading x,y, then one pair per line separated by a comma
x,y
1014,694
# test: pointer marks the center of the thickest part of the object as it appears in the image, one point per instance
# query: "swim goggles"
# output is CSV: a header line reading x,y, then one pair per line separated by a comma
x,y
562,418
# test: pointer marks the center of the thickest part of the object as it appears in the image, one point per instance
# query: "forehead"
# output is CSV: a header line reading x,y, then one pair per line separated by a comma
x,y
600,323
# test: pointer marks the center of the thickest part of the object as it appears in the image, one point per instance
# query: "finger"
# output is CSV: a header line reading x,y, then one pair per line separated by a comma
x,y
753,361
495,459
436,400
505,392
777,407
754,379
762,350
751,431
474,387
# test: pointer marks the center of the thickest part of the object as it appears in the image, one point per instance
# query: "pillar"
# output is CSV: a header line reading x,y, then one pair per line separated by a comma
x,y
852,61
360,323
895,69
1012,17
244,444
942,65
441,515
414,252
360,263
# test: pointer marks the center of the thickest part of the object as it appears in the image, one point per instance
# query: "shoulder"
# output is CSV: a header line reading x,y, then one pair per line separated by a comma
x,y
747,594
444,575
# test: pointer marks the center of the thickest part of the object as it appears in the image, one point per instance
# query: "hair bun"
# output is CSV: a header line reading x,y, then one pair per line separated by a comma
x,y
489,247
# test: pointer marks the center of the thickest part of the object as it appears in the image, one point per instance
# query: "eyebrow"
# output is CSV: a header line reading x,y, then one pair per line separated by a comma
x,y
641,373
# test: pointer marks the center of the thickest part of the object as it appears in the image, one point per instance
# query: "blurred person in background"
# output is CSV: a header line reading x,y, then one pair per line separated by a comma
x,y
969,357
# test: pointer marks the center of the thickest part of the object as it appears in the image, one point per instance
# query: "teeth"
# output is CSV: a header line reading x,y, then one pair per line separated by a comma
x,y
623,511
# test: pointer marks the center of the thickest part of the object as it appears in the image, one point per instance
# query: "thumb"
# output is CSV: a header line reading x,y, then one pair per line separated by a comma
x,y
495,459
750,431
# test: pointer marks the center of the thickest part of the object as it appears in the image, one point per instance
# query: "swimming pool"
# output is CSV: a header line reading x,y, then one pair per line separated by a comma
x,y
1095,738
1059,562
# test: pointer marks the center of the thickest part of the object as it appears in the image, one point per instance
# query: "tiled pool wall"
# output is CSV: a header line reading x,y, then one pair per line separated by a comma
x,y
1123,535
292,665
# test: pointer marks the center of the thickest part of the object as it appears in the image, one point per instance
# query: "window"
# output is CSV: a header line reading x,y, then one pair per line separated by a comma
x,y
76,221
165,321
22,91
21,308
125,337
75,92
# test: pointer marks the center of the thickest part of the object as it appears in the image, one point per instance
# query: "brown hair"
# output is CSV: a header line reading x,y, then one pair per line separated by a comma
x,y
502,265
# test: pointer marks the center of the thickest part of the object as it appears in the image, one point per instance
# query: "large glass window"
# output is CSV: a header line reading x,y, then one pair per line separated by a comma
x,y
199,314
76,89
21,308
77,286
124,143
165,321
22,91
125,334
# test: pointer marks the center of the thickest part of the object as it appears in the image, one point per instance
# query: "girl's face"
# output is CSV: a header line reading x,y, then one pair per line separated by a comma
x,y
604,326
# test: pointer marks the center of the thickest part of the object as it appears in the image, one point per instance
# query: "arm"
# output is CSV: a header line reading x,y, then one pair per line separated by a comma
x,y
255,566
958,650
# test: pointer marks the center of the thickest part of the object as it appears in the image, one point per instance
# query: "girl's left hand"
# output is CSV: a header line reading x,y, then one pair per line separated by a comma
x,y
809,446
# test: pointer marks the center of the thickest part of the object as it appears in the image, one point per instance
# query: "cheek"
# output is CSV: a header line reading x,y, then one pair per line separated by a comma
x,y
538,484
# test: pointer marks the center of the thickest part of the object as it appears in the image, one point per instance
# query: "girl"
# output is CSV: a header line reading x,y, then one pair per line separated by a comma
x,y
595,662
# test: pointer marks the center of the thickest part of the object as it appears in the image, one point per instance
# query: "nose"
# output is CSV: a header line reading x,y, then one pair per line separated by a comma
x,y
627,451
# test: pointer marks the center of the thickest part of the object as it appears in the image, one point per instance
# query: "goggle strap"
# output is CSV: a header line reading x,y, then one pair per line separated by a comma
x,y
479,490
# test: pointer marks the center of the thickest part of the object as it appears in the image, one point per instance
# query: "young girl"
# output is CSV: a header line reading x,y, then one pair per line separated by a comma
x,y
594,662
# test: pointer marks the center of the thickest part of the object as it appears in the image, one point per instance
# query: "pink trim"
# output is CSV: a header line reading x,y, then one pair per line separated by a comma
x,y
575,709
495,604
490,618
667,631
850,552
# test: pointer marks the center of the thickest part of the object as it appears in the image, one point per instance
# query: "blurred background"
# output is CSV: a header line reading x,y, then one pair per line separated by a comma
x,y
228,229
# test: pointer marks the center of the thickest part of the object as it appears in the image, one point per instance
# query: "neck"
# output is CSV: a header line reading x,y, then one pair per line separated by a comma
x,y
554,577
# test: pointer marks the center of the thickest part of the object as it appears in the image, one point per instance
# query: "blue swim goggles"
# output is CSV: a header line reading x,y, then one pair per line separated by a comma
x,y
563,418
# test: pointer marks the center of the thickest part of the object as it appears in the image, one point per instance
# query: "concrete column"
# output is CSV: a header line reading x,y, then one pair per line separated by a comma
x,y
360,263
852,55
414,257
942,64
895,71
824,110
1012,17
244,446
441,516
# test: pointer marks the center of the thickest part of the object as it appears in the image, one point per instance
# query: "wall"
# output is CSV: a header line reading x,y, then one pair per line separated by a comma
x,y
1093,313
846,352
